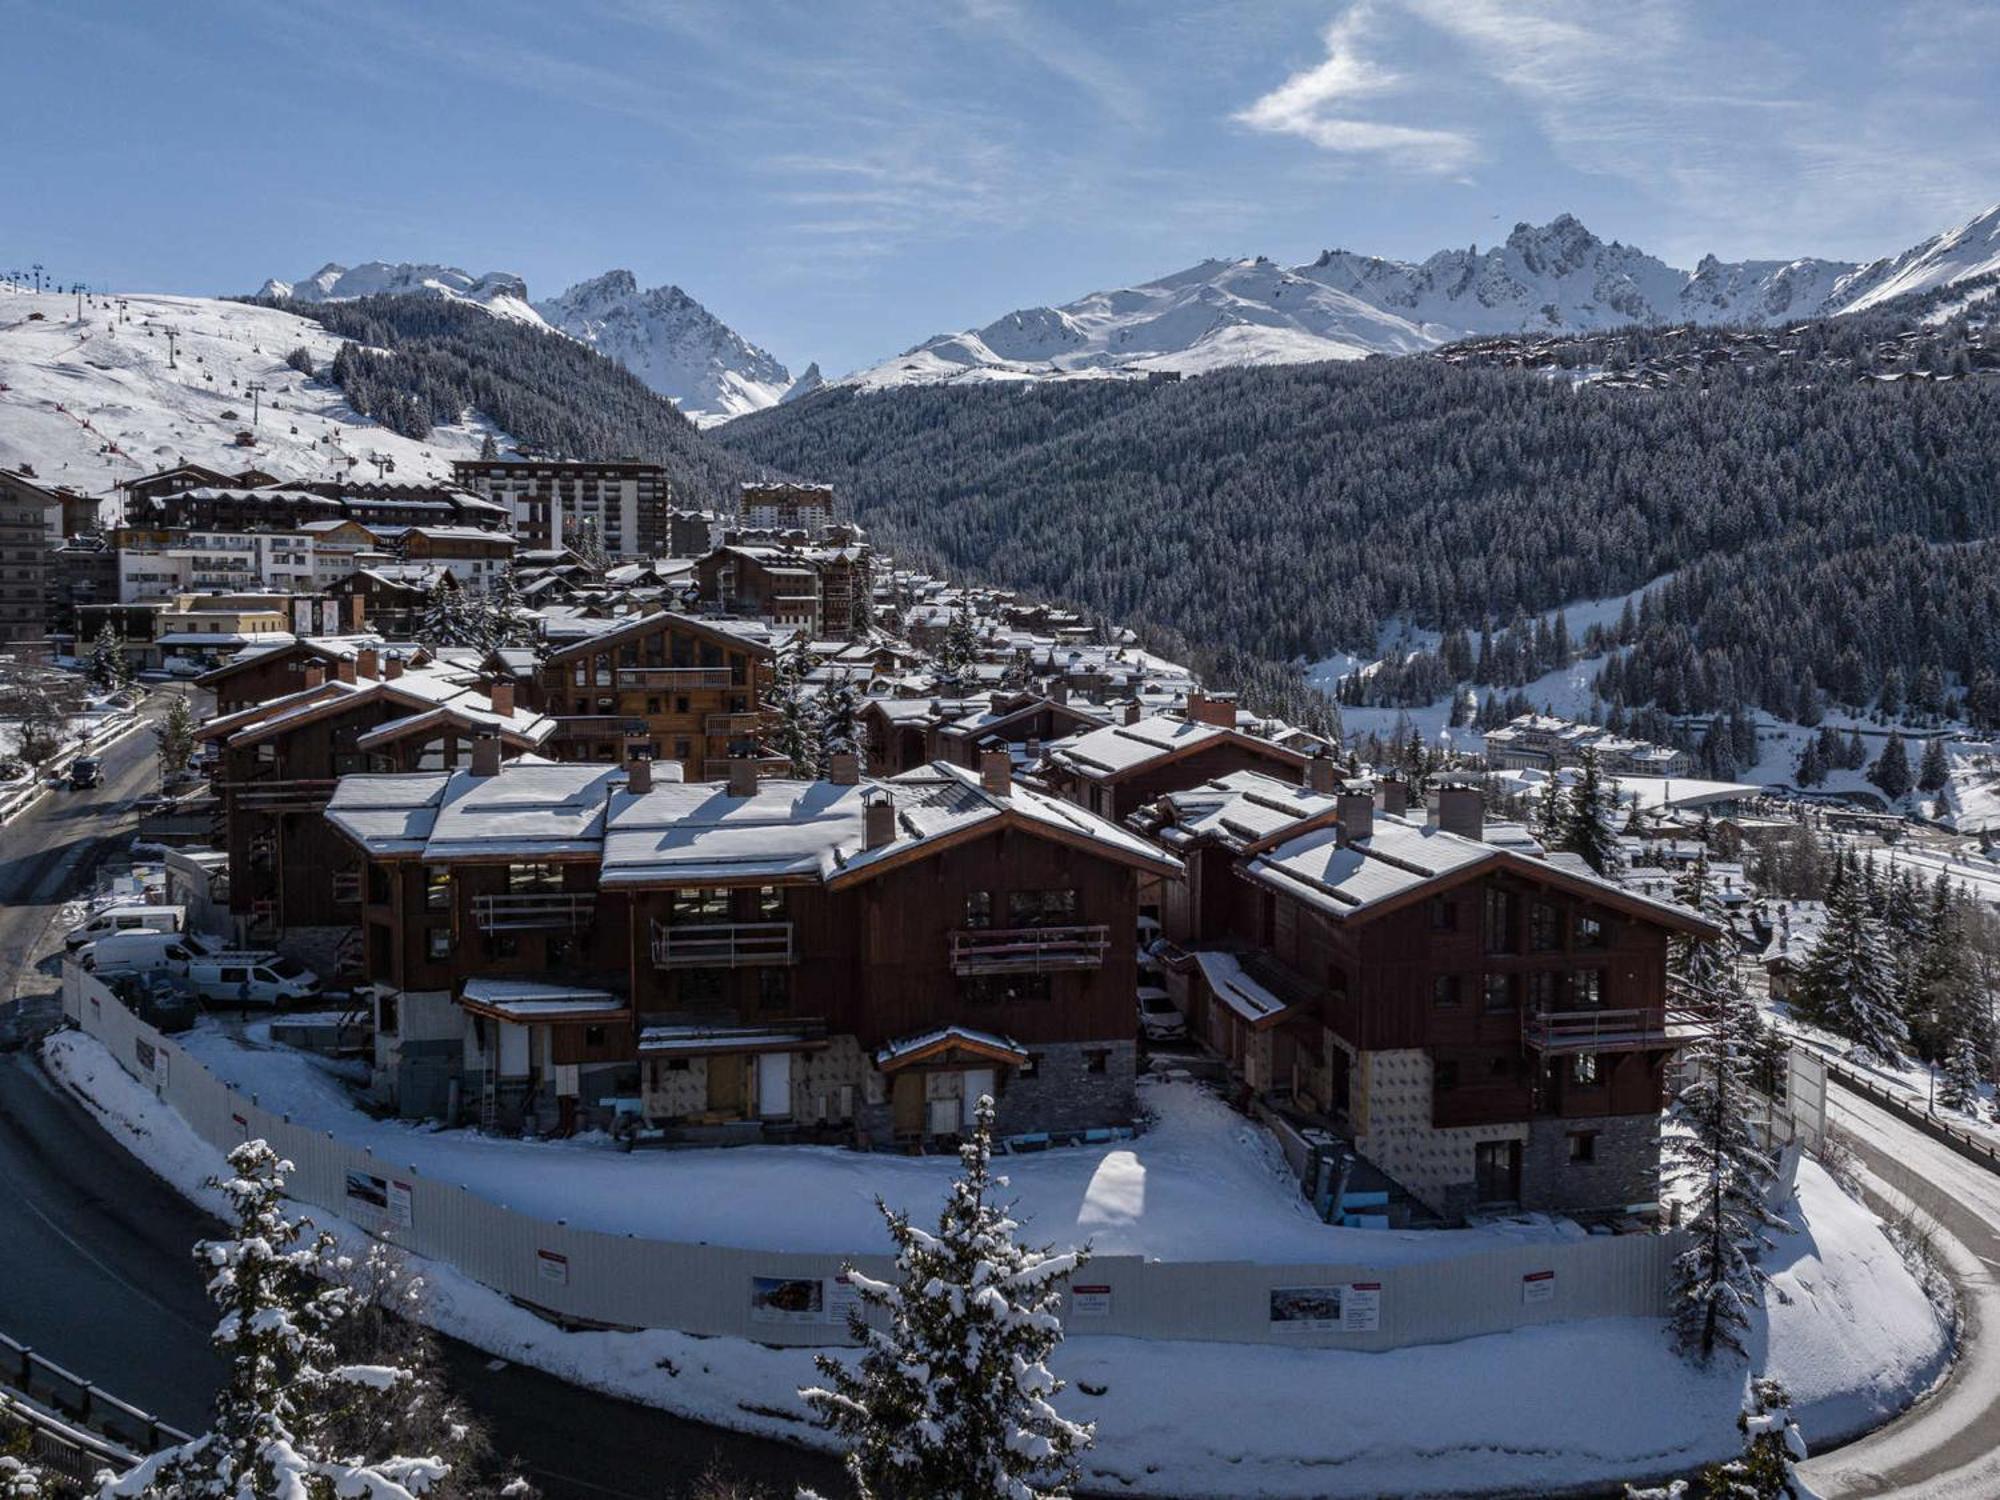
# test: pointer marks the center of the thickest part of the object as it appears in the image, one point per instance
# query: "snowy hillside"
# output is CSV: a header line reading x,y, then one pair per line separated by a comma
x,y
88,404
499,292
1345,306
673,343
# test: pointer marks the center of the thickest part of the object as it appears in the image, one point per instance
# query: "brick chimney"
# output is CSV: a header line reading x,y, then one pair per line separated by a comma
x,y
367,663
1059,690
638,777
1217,709
392,666
315,674
843,768
1392,795
486,755
742,776
344,670
1356,811
878,820
1322,775
1134,711
501,695
996,772
1461,811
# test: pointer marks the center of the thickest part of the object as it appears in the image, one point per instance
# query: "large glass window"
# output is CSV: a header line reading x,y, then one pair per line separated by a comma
x,y
437,888
534,878
1499,924
698,906
1497,993
1004,989
978,910
1544,927
1041,908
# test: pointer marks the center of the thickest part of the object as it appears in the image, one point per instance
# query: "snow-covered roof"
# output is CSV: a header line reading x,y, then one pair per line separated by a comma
x,y
1230,984
533,1000
906,1050
1238,809
700,1041
424,691
1118,750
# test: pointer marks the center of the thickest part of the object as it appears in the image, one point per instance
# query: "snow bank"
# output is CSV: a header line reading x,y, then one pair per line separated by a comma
x,y
1574,1404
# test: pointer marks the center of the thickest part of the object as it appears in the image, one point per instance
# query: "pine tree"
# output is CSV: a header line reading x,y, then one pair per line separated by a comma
x,y
953,1398
442,622
792,714
285,1380
489,450
508,623
174,736
1959,1080
1549,812
838,722
1848,982
108,670
1812,769
1935,771
1588,823
958,650
1772,1448
1891,771
1712,1156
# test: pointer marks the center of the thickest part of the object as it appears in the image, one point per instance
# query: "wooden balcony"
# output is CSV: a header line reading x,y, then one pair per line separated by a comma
x,y
674,678
599,726
721,945
1636,1030
534,911
270,794
1032,950
721,726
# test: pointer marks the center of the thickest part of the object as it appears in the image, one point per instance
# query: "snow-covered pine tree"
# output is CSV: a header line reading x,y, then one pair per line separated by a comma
x,y
506,625
1848,983
1958,1079
284,1378
442,621
958,650
587,542
1773,1447
838,722
106,668
489,450
174,737
792,727
1934,770
1549,812
953,1398
1712,1155
1891,771
1588,827
19,1479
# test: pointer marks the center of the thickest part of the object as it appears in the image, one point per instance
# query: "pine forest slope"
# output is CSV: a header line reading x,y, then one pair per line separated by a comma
x,y
1806,504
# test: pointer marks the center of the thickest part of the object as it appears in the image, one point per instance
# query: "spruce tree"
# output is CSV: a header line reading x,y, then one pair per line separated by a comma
x,y
1891,771
442,621
285,1380
791,713
837,725
1588,827
174,737
1935,770
954,1397
1959,1079
1848,981
107,669
1773,1447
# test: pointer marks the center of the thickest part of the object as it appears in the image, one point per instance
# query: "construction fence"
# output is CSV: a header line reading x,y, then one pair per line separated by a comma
x,y
586,1278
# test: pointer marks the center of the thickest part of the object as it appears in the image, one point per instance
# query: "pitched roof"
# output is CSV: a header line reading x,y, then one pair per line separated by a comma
x,y
1120,750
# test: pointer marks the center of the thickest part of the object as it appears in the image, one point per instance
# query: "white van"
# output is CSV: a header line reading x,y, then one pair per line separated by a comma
x,y
251,979
141,951
128,919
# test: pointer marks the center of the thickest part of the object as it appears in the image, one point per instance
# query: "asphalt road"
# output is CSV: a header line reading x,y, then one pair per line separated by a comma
x,y
96,1264
1947,1447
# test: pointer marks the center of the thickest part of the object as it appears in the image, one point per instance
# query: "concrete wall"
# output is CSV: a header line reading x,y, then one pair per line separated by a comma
x,y
615,1280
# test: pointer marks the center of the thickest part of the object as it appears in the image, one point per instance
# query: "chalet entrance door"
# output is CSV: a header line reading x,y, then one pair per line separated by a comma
x,y
726,1093
908,1101
1496,1172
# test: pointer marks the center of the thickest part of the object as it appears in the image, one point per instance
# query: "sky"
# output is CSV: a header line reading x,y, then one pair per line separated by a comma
x,y
840,179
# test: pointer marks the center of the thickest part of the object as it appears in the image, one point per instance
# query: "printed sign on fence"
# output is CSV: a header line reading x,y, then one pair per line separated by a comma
x,y
552,1268
1538,1286
787,1299
1355,1307
1090,1301
842,1297
378,1200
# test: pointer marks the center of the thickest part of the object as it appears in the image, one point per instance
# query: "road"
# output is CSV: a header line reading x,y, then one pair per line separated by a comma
x,y
1948,1446
96,1265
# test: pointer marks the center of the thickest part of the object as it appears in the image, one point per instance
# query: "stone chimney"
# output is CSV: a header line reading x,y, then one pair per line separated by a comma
x,y
1059,690
1462,811
742,776
843,768
392,665
1392,795
878,820
315,674
1322,774
367,663
1034,750
344,670
638,777
996,772
1217,709
501,696
486,755
1356,811
1134,711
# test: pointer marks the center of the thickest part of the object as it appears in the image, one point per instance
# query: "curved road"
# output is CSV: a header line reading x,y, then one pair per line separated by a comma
x,y
1947,1447
96,1264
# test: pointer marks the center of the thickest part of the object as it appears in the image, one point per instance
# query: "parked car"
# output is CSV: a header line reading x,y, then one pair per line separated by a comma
x,y
1160,1019
170,952
85,771
263,979
127,919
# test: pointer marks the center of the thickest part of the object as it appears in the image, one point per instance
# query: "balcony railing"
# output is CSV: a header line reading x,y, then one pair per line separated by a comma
x,y
1629,1030
721,945
731,724
1034,950
674,677
532,911
269,792
596,726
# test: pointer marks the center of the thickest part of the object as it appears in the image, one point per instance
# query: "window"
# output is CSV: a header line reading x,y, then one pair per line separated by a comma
x,y
770,904
1587,989
1499,920
1541,992
1444,915
698,906
1004,989
652,706
1445,991
1444,1077
502,945
698,988
1590,932
1544,928
1501,1067
1582,1146
1097,1060
682,750
385,1013
681,704
1497,993
346,886
437,888
234,976
536,879
774,988
593,1036
1041,908
437,942
978,909
1583,1070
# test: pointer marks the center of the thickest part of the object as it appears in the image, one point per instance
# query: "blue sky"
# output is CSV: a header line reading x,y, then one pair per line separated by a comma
x,y
840,179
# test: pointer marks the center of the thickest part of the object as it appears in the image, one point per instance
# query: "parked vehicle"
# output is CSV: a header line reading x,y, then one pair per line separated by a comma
x,y
142,951
1159,1019
263,979
163,1001
85,771
128,919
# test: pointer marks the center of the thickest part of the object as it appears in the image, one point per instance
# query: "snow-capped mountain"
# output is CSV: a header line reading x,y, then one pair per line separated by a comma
x,y
673,343
499,292
1345,306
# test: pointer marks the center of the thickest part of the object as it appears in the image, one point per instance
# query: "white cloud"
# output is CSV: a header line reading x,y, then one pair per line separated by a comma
x,y
1317,105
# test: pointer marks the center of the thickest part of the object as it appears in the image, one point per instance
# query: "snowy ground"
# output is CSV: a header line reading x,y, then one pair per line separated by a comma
x,y
1202,1184
1563,1405
90,403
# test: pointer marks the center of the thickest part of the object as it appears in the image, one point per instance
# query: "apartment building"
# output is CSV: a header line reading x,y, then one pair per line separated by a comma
x,y
30,531
547,501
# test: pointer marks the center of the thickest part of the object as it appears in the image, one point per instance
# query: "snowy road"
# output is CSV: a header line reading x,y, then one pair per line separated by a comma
x,y
1948,1446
